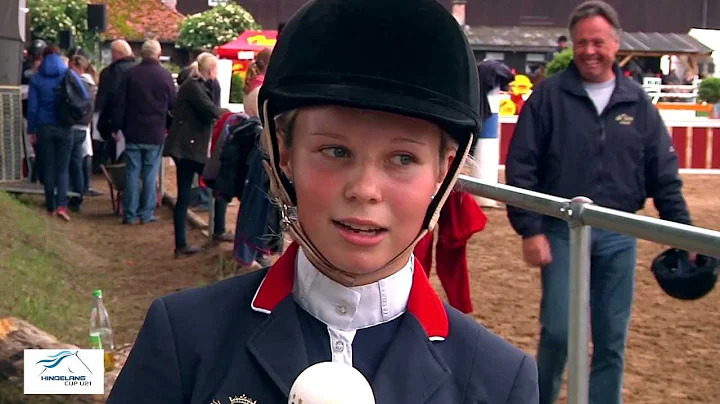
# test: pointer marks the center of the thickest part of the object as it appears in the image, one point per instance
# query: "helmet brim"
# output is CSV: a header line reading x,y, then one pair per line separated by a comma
x,y
458,123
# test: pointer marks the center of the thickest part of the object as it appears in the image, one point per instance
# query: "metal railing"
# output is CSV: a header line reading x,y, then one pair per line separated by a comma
x,y
581,215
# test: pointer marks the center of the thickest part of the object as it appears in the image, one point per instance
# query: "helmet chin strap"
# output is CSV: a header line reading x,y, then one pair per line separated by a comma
x,y
291,224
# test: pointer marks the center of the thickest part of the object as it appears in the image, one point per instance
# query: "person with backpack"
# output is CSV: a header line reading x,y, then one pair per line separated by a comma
x,y
49,129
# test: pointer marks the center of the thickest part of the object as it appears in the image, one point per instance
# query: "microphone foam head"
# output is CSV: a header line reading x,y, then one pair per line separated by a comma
x,y
331,383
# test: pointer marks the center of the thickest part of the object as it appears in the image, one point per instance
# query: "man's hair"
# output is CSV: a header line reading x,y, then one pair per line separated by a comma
x,y
594,8
151,49
562,38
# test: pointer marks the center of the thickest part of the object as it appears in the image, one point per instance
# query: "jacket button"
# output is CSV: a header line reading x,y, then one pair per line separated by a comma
x,y
192,141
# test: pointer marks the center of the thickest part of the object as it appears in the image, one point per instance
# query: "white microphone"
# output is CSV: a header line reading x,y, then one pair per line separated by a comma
x,y
331,383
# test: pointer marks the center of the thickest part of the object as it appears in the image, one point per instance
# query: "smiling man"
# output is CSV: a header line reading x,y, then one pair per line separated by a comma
x,y
590,131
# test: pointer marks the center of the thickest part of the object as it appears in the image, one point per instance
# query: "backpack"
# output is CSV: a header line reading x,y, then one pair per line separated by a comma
x,y
240,141
73,103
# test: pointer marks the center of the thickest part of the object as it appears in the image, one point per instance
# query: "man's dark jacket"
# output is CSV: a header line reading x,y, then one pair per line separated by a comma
x,y
107,93
147,94
562,147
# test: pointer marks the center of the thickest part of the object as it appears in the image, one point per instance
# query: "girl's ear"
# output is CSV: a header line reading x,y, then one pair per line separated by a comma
x,y
446,163
445,167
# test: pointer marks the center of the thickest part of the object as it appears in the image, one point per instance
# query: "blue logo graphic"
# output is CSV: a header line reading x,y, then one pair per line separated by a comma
x,y
71,363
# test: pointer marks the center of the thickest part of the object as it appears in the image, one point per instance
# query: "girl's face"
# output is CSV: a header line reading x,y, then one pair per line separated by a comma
x,y
77,69
364,180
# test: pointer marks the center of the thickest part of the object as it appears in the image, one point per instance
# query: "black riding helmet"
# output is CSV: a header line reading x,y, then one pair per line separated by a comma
x,y
683,279
408,57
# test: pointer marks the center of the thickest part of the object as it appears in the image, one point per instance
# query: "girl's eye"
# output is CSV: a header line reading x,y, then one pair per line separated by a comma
x,y
403,159
336,152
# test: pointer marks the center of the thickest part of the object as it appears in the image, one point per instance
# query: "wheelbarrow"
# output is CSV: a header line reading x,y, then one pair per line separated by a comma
x,y
115,176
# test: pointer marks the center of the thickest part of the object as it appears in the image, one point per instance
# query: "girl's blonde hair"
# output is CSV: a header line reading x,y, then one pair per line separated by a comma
x,y
205,61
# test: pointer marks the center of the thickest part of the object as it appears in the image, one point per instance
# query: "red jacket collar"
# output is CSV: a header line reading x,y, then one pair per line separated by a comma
x,y
423,303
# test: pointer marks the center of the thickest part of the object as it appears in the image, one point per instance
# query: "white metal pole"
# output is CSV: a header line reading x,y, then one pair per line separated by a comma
x,y
578,332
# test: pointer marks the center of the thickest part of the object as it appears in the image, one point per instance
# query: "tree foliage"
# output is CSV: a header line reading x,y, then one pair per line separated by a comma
x,y
560,62
709,90
214,27
49,17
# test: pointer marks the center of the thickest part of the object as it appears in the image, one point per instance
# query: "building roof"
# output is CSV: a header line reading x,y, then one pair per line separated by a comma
x,y
137,20
543,39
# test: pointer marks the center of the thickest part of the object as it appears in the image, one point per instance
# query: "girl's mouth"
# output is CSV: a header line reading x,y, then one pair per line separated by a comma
x,y
360,235
358,228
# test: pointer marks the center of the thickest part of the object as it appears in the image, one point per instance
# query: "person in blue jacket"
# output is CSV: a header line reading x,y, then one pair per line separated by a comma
x,y
53,139
363,147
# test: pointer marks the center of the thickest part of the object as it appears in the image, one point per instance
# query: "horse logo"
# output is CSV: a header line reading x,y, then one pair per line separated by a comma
x,y
65,361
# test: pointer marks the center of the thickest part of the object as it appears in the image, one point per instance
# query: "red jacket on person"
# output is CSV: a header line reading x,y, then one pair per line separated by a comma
x,y
460,218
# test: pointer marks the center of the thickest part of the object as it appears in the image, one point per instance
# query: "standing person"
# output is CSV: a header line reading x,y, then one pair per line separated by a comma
x,y
562,44
254,80
106,100
30,67
147,94
44,128
188,143
590,131
361,157
80,135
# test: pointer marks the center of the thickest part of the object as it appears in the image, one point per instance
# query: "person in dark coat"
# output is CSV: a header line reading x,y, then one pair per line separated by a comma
x,y
361,158
590,131
147,95
188,142
106,100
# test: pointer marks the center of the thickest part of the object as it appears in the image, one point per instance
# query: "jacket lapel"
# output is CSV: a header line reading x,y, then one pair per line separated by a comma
x,y
411,370
279,346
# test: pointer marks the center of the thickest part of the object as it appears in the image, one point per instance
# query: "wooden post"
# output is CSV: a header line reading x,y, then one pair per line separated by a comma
x,y
626,59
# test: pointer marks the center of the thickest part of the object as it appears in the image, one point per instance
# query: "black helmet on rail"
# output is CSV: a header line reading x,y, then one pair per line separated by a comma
x,y
682,278
408,57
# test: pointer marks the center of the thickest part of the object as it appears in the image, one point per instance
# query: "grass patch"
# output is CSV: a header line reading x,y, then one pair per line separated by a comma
x,y
44,280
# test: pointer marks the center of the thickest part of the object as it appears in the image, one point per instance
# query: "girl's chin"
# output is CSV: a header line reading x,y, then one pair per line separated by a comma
x,y
363,263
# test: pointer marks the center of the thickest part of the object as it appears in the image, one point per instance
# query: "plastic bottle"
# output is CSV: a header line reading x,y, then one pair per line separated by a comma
x,y
101,336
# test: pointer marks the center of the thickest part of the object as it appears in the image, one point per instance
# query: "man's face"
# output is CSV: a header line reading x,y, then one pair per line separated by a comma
x,y
595,43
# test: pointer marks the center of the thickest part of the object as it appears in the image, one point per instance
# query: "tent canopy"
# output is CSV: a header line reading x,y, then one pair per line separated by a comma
x,y
247,44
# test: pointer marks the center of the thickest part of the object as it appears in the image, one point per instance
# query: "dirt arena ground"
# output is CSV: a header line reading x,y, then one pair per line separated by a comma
x,y
673,354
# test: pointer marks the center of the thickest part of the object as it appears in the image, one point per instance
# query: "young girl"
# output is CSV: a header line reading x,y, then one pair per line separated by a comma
x,y
254,80
362,156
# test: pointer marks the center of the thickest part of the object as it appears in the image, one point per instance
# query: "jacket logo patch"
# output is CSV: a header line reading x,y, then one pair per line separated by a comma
x,y
242,400
624,119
